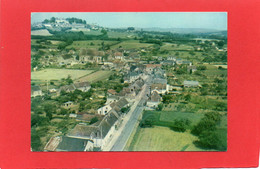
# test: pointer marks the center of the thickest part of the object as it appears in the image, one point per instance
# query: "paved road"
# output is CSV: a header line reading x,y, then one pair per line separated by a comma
x,y
129,127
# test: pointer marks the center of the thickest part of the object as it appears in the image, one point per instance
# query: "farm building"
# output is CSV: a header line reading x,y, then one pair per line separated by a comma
x,y
160,88
189,83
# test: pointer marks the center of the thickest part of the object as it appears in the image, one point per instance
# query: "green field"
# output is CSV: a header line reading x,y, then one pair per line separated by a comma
x,y
120,34
171,116
171,46
58,74
96,76
166,118
95,44
162,139
131,44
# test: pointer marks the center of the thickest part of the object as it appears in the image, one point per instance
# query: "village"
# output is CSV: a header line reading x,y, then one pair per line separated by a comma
x,y
96,95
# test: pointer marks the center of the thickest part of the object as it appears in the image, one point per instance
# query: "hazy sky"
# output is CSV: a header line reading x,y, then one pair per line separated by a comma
x,y
208,20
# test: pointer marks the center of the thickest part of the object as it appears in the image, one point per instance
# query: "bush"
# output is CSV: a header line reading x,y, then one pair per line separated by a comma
x,y
204,125
93,120
148,122
210,140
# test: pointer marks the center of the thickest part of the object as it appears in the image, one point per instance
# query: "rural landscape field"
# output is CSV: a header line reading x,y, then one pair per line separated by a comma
x,y
135,86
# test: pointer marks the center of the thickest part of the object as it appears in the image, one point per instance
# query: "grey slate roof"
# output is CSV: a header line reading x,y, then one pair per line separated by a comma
x,y
72,144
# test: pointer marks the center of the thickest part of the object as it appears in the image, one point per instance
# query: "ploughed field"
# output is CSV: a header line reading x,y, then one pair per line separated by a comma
x,y
58,74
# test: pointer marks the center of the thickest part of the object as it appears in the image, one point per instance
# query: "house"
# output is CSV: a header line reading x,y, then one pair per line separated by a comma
x,y
119,56
136,86
159,81
53,90
36,91
158,73
178,61
128,94
189,83
111,92
99,134
168,62
191,69
84,59
74,144
160,88
154,100
120,103
64,143
171,58
150,67
67,88
104,110
86,117
111,99
68,104
132,76
83,86
186,63
98,59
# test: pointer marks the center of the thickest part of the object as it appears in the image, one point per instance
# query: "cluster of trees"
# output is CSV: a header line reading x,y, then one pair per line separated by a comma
x,y
66,81
75,96
52,20
76,20
206,130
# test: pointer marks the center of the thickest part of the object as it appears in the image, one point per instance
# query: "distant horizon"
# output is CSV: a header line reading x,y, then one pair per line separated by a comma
x,y
162,20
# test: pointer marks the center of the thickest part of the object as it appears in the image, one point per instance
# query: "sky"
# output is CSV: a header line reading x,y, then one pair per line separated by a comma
x,y
205,20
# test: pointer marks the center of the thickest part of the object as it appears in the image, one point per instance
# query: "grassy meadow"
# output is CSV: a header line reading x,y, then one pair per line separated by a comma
x,y
58,74
160,138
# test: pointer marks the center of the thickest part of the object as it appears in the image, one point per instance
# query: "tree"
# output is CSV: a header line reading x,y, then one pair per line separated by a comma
x,y
63,111
210,139
159,107
125,109
52,20
104,32
207,123
202,67
187,97
49,109
69,80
